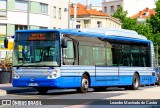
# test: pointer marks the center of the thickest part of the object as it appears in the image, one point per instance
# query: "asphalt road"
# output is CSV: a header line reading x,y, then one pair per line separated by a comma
x,y
71,99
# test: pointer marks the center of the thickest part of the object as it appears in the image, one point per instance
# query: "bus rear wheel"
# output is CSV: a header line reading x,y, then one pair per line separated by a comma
x,y
42,90
135,83
84,84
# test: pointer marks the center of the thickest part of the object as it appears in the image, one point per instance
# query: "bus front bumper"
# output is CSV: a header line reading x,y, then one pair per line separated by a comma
x,y
61,82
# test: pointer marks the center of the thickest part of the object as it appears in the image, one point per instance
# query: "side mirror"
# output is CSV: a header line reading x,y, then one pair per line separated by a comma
x,y
64,42
6,42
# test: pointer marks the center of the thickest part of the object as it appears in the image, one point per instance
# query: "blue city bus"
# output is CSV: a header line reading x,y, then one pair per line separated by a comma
x,y
81,59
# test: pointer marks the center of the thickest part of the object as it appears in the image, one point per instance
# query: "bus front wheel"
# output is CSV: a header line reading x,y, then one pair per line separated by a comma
x,y
136,82
42,90
84,84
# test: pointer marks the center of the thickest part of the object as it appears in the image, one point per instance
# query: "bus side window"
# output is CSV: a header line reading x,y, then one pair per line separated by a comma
x,y
124,56
85,55
68,54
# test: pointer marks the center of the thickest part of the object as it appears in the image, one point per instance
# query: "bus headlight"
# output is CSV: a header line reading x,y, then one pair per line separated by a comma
x,y
15,75
54,74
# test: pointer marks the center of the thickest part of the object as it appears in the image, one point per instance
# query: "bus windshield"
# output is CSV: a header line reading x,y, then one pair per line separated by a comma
x,y
36,49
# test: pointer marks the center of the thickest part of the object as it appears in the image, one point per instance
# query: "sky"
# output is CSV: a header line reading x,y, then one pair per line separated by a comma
x,y
93,2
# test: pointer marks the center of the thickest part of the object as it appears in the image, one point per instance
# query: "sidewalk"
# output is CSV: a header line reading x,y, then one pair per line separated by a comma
x,y
8,89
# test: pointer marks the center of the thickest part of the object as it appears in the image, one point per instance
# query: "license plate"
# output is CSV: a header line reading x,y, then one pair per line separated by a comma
x,y
33,84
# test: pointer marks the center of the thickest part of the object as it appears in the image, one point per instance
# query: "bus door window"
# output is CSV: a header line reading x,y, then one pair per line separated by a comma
x,y
68,54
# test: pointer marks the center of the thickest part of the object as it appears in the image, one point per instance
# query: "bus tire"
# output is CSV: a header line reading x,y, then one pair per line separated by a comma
x,y
84,84
135,82
42,90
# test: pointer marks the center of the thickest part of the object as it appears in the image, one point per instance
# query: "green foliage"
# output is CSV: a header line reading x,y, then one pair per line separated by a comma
x,y
158,8
154,23
120,14
131,24
145,30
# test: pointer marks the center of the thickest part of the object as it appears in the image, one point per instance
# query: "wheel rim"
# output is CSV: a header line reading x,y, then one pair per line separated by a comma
x,y
85,84
135,82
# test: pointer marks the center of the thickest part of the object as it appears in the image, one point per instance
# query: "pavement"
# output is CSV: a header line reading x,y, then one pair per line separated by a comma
x,y
9,89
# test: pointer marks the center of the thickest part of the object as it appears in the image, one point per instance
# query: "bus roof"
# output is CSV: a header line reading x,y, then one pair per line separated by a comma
x,y
108,33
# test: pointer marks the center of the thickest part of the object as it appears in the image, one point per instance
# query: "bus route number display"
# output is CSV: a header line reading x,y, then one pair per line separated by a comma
x,y
37,36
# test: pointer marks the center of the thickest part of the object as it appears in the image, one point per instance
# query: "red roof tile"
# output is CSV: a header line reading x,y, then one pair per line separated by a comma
x,y
82,11
146,13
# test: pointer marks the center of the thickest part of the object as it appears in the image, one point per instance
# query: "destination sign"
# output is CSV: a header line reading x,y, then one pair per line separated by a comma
x,y
37,36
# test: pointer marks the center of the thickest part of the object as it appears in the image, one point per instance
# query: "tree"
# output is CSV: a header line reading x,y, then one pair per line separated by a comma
x,y
154,23
144,29
131,24
127,23
120,14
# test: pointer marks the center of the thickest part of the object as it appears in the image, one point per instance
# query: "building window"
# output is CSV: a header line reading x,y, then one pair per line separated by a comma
x,y
99,24
86,23
3,9
78,25
44,8
54,11
118,6
60,13
105,9
21,5
112,8
20,27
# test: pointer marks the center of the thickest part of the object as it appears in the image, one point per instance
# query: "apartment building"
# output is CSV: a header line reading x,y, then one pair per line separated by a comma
x,y
32,14
132,6
111,6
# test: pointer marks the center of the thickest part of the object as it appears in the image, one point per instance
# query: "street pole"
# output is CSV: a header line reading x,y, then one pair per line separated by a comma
x,y
68,14
28,15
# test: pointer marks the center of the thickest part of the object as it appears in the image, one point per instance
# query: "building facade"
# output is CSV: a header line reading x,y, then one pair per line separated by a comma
x,y
32,14
86,17
132,6
111,6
